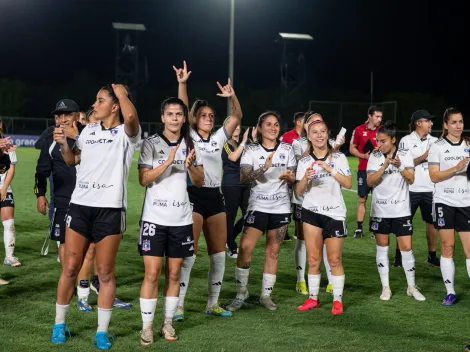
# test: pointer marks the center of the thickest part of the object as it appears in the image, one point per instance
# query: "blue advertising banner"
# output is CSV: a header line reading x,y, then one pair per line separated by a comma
x,y
23,140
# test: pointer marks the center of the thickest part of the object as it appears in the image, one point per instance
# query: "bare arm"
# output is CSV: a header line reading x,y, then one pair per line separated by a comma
x,y
71,155
182,76
437,175
373,178
148,176
129,113
235,109
196,174
9,177
248,175
408,175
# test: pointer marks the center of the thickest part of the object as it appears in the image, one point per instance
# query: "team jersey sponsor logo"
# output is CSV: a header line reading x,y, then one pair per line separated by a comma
x,y
83,185
187,242
98,141
160,203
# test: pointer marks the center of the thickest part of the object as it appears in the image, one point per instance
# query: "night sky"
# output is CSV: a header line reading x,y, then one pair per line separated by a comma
x,y
410,45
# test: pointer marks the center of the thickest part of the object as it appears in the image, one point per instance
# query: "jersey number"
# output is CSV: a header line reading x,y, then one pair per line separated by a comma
x,y
68,220
440,213
148,229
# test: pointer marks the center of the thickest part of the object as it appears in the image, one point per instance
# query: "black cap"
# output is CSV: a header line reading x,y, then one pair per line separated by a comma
x,y
66,105
420,114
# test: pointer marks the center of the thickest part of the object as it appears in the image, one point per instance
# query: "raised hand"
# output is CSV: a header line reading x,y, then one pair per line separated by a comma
x,y
269,161
190,159
71,131
254,134
324,165
120,90
59,136
309,173
226,91
171,157
245,136
287,176
182,74
5,143
396,162
461,164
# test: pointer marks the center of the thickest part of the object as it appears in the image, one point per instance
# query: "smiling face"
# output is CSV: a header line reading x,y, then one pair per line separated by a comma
x,y
318,134
270,128
66,118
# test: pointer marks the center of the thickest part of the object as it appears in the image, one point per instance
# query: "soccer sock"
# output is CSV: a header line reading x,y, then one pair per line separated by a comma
x,y
104,317
169,308
60,312
188,263
313,285
300,258
147,310
215,277
9,237
268,284
382,264
338,286
83,289
241,277
448,273
398,253
468,266
327,265
359,225
409,267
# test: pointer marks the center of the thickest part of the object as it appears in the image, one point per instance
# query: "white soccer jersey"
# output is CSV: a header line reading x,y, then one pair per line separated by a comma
x,y
268,194
9,159
418,147
106,157
391,197
299,146
323,193
166,200
454,191
211,152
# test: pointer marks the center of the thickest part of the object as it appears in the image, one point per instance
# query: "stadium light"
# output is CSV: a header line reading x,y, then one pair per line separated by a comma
x,y
295,36
129,26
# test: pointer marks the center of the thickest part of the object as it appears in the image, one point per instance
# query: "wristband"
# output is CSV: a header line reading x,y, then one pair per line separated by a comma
x,y
401,168
242,145
334,172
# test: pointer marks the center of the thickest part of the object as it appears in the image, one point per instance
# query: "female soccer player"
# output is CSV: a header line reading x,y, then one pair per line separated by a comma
x,y
320,176
166,159
269,166
97,209
448,162
207,202
389,171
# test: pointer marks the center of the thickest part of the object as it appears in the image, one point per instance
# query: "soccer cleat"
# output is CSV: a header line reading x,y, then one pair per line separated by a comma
x,y
179,314
95,284
467,348
433,261
358,233
449,300
372,236
3,282
11,261
386,294
309,304
121,304
413,291
397,262
232,254
83,305
146,336
267,302
59,333
287,238
337,308
237,303
301,287
329,288
103,340
168,332
218,311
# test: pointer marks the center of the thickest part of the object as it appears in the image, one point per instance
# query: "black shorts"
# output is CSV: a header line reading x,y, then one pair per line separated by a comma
x,y
96,223
423,200
399,226
8,202
362,188
296,212
331,228
448,217
206,201
170,241
57,226
264,221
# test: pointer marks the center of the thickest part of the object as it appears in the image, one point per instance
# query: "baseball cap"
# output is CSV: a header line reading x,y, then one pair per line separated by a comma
x,y
66,105
420,114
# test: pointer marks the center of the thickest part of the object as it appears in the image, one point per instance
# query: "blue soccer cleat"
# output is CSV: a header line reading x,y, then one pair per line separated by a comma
x,y
59,334
121,304
449,300
102,340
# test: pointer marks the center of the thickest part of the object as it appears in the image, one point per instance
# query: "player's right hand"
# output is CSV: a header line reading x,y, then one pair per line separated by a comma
x,y
42,205
59,136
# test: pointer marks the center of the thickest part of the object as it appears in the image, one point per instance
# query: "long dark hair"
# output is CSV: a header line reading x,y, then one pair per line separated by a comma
x,y
310,144
114,98
445,119
197,106
185,128
389,128
263,118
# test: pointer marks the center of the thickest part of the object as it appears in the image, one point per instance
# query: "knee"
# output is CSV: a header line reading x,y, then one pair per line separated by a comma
x,y
447,249
245,248
334,261
173,276
152,276
105,273
271,253
313,260
362,200
71,269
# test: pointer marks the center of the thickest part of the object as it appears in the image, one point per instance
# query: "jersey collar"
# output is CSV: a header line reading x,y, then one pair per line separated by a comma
x,y
453,143
108,129
202,138
170,144
269,150
415,135
322,159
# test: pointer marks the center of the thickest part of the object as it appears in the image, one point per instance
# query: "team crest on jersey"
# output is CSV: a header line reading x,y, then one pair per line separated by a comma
x,y
114,132
441,222
214,143
146,245
250,219
282,156
466,150
57,230
183,151
375,226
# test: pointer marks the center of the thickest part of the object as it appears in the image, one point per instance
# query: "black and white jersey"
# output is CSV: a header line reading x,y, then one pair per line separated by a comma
x,y
454,191
269,194
5,161
106,157
323,194
390,198
299,146
211,152
166,200
417,147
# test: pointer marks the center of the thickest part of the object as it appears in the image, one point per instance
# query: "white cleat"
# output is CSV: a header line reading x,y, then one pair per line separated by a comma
x,y
413,291
12,261
386,294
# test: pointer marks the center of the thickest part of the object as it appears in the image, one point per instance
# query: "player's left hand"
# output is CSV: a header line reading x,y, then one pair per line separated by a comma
x,y
324,165
396,162
190,159
226,91
287,176
120,90
71,131
3,194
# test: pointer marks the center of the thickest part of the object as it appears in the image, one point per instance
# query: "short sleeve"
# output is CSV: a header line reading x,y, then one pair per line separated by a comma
x,y
297,148
355,137
220,136
301,169
408,161
433,156
342,165
373,163
246,160
291,160
198,161
146,155
13,158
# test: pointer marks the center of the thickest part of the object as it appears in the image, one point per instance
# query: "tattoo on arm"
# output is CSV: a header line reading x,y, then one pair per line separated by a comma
x,y
249,175
281,233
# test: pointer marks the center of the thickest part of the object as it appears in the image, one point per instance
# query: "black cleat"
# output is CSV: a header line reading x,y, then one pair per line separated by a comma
x,y
358,233
397,262
433,261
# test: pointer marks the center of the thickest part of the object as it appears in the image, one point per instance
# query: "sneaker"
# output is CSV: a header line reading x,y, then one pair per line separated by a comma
x,y
3,282
179,314
412,291
372,236
237,303
467,348
301,287
337,308
95,284
450,300
397,262
268,303
102,340
358,233
218,311
83,305
309,304
232,254
59,333
329,288
11,261
433,261
146,336
386,294
168,332
287,238
121,304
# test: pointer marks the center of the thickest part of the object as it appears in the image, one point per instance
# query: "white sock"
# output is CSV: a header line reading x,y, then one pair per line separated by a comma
x,y
104,317
300,258
268,284
58,244
169,308
468,267
83,289
188,263
215,277
327,265
338,286
9,237
241,277
448,273
408,261
147,310
313,285
60,312
382,264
